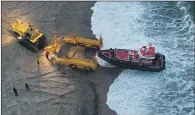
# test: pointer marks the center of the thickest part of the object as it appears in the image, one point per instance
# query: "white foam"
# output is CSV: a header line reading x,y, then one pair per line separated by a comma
x,y
101,62
119,27
131,91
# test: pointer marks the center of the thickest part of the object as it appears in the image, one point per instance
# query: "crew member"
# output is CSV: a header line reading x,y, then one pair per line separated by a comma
x,y
15,91
112,52
27,87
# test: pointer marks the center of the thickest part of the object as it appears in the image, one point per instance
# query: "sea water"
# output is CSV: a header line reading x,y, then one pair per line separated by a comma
x,y
170,27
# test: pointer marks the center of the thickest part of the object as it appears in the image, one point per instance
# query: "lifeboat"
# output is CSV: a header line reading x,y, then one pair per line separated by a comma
x,y
144,59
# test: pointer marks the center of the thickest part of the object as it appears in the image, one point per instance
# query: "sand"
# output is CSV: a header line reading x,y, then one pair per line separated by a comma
x,y
55,89
76,52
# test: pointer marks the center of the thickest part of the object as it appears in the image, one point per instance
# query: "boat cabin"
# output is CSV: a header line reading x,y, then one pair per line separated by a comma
x,y
147,52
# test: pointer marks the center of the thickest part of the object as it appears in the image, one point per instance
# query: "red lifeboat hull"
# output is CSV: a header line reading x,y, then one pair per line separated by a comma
x,y
130,59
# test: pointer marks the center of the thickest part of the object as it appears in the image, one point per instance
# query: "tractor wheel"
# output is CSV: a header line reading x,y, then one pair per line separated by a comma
x,y
28,45
73,66
95,47
88,69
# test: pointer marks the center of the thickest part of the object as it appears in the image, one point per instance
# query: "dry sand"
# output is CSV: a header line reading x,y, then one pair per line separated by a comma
x,y
55,90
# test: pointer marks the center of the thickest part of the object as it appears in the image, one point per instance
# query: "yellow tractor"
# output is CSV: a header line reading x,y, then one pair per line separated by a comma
x,y
78,62
29,36
84,42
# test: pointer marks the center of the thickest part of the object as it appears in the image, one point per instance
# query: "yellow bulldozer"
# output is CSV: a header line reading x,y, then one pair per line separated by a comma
x,y
76,62
28,36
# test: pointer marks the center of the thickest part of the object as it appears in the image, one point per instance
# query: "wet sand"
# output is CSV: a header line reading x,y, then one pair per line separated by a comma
x,y
55,89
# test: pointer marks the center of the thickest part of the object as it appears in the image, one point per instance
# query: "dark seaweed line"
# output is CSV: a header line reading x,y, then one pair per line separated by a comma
x,y
96,99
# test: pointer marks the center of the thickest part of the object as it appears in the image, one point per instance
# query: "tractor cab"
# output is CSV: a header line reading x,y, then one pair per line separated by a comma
x,y
28,34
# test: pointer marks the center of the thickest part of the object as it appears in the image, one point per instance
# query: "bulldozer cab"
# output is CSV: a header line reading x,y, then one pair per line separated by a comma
x,y
28,33
29,29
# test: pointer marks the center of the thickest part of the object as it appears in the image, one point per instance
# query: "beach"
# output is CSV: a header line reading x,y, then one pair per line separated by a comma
x,y
55,89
